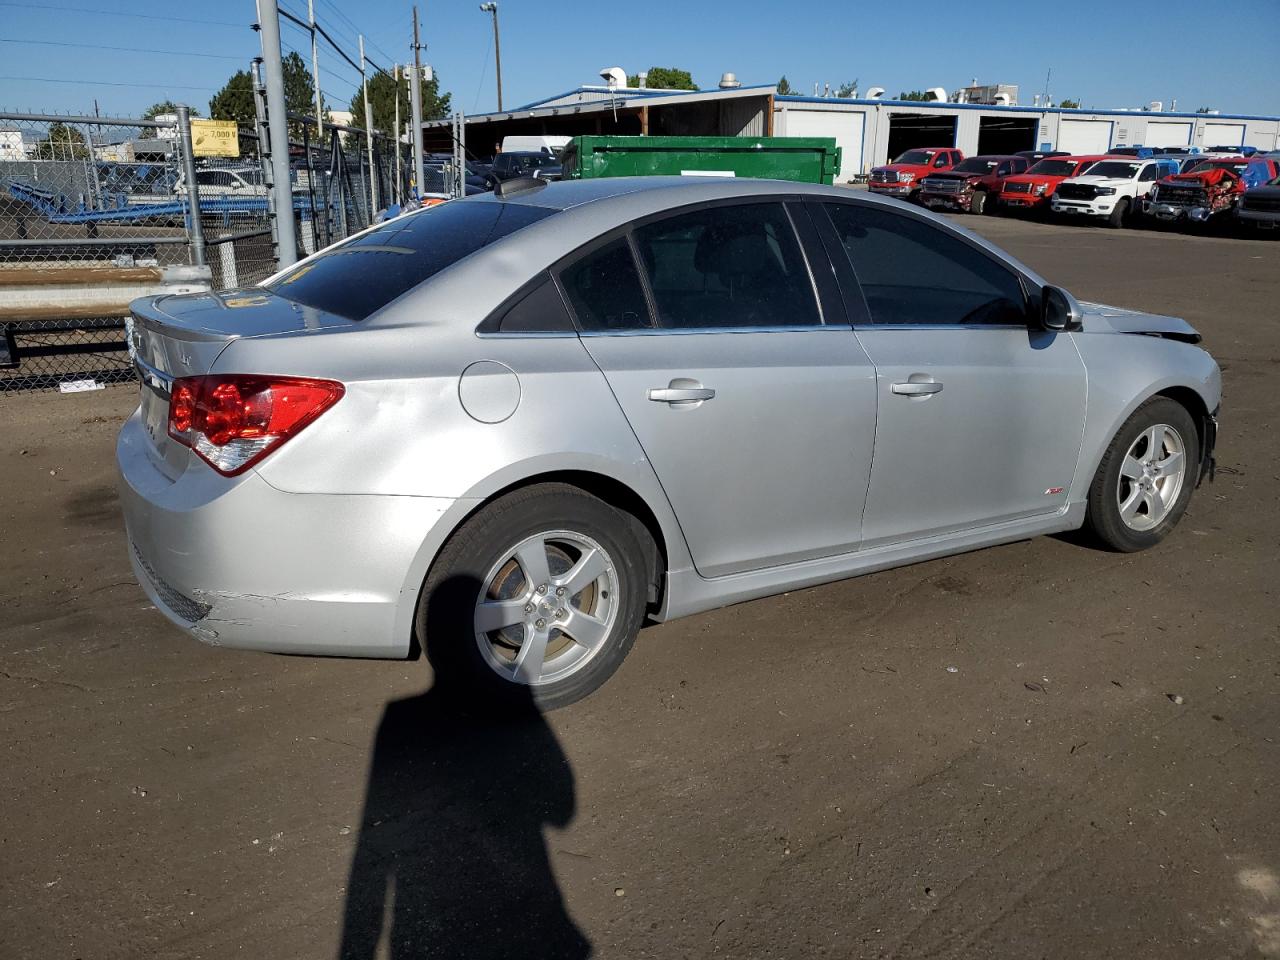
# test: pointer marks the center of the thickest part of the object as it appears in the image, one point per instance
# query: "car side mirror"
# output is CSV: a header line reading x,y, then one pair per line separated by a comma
x,y
1058,309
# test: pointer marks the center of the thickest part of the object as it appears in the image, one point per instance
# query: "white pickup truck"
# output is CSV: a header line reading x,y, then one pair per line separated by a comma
x,y
1112,189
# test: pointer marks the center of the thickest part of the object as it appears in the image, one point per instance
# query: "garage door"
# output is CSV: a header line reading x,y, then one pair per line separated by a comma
x,y
1166,133
845,127
1223,134
1084,136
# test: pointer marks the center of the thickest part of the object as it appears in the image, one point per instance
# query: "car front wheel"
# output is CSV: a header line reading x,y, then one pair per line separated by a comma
x,y
1146,477
535,600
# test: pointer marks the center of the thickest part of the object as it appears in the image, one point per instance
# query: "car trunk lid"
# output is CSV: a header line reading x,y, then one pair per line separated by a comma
x,y
182,336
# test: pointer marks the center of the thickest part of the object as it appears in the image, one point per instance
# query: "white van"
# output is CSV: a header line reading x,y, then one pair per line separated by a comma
x,y
543,144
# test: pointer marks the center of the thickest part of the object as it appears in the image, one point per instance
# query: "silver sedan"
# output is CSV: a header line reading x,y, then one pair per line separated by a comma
x,y
510,429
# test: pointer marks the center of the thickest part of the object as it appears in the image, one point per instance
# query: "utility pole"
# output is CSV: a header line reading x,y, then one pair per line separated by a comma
x,y
395,75
497,48
278,132
368,134
315,70
415,105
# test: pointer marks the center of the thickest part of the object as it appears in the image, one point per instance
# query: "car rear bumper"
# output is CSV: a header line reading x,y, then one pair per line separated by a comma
x,y
239,563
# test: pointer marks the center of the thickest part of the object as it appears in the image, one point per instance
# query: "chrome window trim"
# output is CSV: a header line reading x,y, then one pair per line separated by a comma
x,y
686,331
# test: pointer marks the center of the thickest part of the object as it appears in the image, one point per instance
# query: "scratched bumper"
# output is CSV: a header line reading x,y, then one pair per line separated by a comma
x,y
236,562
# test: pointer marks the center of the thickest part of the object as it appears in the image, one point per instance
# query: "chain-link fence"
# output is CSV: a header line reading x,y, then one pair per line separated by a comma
x,y
96,211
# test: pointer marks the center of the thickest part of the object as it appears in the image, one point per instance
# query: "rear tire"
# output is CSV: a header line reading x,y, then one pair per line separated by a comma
x,y
1117,217
1146,477
536,600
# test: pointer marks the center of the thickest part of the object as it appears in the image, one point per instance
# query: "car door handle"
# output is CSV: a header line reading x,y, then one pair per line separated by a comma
x,y
913,388
681,390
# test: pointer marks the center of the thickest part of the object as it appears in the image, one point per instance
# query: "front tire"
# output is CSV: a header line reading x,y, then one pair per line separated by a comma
x,y
536,599
978,205
1118,215
1146,477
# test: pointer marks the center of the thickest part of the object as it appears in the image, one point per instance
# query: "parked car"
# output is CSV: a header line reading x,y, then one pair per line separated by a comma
x,y
1140,152
221,182
523,436
1033,189
523,163
971,185
1241,151
1035,156
1111,189
902,177
1260,207
1209,189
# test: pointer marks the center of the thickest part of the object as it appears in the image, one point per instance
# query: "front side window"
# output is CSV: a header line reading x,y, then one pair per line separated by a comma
x,y
912,272
604,289
731,266
1149,172
364,274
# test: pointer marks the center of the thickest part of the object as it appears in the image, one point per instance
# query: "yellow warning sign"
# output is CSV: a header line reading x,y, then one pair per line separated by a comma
x,y
215,138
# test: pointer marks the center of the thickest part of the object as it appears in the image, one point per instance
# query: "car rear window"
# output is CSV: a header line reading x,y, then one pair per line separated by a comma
x,y
363,275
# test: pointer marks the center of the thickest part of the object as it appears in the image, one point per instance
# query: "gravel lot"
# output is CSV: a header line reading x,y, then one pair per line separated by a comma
x,y
799,776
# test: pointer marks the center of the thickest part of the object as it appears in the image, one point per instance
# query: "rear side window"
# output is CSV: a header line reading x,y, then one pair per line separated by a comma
x,y
363,275
541,310
731,266
912,272
604,289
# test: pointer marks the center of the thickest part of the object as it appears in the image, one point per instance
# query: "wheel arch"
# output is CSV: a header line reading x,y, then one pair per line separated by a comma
x,y
644,501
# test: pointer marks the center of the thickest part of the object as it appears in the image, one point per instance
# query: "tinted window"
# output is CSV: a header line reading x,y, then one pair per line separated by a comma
x,y
913,272
1114,168
604,289
1054,168
362,275
1151,172
541,310
736,266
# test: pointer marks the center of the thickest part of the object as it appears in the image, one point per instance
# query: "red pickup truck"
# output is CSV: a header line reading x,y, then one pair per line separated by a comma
x,y
902,177
1032,190
1208,188
972,183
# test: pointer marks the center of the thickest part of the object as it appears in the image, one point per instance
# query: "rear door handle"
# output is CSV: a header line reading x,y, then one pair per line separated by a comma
x,y
916,389
681,390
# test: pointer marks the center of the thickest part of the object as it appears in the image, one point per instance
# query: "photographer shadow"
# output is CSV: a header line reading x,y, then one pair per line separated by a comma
x,y
451,861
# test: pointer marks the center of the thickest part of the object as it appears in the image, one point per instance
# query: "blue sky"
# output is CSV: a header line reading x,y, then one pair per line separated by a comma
x,y
1222,56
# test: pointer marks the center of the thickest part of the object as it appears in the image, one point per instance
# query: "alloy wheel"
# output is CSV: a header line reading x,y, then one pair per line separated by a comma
x,y
1151,477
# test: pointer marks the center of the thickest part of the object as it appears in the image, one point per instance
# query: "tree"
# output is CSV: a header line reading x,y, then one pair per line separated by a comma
x,y
383,91
235,100
915,95
1069,104
665,78
159,110
784,87
848,89
62,143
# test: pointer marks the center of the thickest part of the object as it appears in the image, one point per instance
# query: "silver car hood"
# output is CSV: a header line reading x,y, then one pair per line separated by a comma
x,y
1101,318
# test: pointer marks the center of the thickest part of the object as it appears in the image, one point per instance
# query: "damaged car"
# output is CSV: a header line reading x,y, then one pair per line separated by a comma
x,y
973,185
1206,190
510,430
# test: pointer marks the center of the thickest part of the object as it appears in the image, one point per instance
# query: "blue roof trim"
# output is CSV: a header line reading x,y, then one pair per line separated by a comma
x,y
1020,109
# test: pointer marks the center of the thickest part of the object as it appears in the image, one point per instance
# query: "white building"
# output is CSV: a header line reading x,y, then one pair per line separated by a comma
x,y
12,146
873,132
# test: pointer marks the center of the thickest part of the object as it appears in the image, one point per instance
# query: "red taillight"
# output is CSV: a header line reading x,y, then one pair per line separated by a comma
x,y
234,420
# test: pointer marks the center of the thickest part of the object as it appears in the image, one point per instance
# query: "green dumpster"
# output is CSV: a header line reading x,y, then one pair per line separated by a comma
x,y
806,159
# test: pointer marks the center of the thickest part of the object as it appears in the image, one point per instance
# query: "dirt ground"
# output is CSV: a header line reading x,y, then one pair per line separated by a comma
x,y
1038,750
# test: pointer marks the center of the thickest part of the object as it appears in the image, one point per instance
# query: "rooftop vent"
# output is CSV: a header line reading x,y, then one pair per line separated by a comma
x,y
729,82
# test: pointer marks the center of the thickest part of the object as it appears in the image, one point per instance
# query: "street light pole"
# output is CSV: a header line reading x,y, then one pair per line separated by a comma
x,y
497,47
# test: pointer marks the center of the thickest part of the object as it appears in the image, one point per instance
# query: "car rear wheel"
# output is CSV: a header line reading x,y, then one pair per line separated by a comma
x,y
1118,215
535,600
1146,477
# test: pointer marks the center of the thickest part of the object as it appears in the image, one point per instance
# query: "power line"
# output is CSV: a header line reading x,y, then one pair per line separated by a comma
x,y
98,46
108,83
119,13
